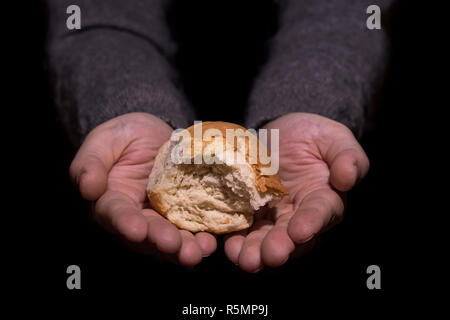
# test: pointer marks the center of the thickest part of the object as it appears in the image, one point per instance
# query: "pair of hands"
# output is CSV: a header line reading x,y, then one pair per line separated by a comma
x,y
320,160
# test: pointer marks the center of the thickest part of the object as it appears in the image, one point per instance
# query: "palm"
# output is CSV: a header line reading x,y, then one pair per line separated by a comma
x,y
319,159
302,169
130,173
112,169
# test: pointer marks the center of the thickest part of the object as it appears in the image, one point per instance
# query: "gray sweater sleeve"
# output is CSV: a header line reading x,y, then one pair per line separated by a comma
x,y
323,60
118,62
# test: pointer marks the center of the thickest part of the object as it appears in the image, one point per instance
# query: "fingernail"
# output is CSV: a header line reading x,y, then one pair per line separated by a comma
x,y
308,239
258,270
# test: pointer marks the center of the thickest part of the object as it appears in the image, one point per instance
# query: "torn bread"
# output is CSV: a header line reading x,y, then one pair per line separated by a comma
x,y
219,197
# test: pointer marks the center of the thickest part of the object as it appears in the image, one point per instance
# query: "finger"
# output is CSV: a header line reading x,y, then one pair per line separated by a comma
x,y
116,212
92,179
250,255
346,159
89,169
336,219
347,168
207,243
162,233
190,253
233,245
314,213
277,245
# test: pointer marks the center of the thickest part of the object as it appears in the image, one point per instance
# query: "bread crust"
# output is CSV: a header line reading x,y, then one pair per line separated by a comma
x,y
264,183
197,220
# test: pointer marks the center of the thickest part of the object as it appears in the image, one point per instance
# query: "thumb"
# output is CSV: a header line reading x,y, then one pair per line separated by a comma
x,y
346,160
93,161
90,176
348,167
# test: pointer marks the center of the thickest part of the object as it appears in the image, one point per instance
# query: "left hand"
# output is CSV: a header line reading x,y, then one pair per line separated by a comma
x,y
320,160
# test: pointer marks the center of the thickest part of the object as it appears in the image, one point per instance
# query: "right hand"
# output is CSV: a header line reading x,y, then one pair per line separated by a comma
x,y
112,167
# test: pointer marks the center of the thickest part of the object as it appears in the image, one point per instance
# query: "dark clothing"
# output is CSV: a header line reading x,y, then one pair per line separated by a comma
x,y
322,60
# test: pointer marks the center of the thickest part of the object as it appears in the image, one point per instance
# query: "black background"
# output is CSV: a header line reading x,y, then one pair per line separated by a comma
x,y
330,278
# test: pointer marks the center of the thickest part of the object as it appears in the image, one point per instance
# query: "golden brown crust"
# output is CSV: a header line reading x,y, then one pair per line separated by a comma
x,y
264,183
271,184
156,203
220,125
216,221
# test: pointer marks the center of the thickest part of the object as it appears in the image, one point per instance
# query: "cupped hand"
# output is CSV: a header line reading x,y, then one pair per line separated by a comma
x,y
112,167
320,160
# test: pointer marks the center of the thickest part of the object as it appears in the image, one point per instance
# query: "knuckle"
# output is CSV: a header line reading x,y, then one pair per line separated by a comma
x,y
302,231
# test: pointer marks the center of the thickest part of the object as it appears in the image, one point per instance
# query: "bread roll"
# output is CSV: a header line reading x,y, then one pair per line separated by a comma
x,y
219,197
